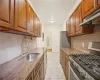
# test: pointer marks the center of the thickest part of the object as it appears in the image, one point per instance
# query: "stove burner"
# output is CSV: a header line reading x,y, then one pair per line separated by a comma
x,y
90,62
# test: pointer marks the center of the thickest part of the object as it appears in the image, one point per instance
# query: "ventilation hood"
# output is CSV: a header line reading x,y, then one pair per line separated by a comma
x,y
93,19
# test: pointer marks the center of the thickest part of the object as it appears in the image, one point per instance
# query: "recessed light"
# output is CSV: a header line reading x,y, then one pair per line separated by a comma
x,y
52,21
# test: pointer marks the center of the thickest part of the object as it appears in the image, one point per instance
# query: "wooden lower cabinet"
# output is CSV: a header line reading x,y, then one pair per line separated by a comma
x,y
60,56
39,70
29,77
63,63
45,63
64,60
67,68
42,71
37,77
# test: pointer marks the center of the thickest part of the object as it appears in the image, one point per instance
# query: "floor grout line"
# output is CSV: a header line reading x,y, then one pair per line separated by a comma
x,y
54,69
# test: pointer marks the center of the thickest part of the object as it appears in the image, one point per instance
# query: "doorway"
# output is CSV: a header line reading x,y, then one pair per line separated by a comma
x,y
49,41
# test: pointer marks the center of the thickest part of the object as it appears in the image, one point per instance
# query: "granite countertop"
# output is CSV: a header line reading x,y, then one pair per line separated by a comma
x,y
70,51
18,68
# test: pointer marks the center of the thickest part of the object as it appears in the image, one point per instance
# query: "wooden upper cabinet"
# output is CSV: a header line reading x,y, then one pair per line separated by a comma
x,y
36,26
78,20
30,20
88,6
40,29
72,24
20,15
98,1
68,27
7,13
34,23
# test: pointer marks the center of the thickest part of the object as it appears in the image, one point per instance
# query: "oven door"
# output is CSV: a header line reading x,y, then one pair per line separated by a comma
x,y
73,76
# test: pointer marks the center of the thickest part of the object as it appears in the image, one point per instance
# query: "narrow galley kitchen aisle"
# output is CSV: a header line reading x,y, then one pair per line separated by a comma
x,y
54,69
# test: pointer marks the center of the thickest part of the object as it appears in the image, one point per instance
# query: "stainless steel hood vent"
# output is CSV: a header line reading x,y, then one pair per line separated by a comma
x,y
92,20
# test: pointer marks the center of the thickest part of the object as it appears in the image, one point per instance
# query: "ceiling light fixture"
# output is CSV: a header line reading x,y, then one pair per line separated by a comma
x,y
52,21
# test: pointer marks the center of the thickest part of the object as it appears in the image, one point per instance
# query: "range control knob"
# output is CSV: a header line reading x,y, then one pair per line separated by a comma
x,y
87,78
82,74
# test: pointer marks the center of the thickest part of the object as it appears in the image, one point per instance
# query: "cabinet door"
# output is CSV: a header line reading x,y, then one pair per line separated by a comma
x,y
39,29
72,29
29,19
68,27
34,23
7,13
98,3
45,62
42,71
78,20
63,57
29,77
67,68
37,77
36,26
60,56
88,6
20,15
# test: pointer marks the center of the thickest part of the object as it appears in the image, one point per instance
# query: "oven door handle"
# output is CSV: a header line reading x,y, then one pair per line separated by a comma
x,y
74,73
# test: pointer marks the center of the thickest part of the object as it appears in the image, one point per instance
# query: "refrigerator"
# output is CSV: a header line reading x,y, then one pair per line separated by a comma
x,y
65,40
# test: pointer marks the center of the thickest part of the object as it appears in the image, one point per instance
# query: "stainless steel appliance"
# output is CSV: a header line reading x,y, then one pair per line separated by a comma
x,y
86,66
93,19
65,40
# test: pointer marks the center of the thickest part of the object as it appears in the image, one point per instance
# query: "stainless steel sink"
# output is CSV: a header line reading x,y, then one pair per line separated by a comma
x,y
31,57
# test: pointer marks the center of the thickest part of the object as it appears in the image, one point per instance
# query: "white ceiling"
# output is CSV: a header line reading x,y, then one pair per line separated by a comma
x,y
56,10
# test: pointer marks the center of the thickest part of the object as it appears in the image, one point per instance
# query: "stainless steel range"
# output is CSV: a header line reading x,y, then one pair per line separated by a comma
x,y
86,66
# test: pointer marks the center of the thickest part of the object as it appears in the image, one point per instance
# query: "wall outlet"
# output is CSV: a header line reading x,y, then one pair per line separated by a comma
x,y
83,44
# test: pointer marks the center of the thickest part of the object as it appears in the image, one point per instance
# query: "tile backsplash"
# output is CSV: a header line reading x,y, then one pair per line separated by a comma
x,y
11,46
81,42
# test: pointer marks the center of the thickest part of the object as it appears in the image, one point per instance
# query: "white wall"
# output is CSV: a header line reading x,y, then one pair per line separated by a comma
x,y
55,30
40,42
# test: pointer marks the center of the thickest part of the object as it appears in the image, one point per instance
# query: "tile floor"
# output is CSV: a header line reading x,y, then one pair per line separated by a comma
x,y
54,69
